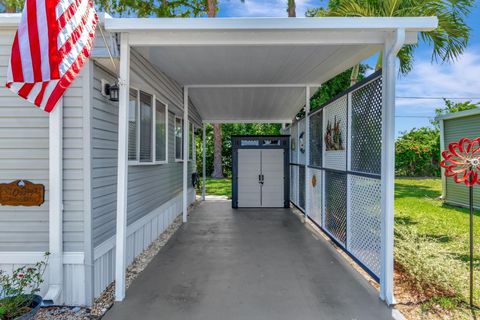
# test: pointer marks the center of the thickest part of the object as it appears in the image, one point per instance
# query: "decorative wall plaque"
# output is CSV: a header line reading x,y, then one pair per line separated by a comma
x,y
301,139
22,193
333,136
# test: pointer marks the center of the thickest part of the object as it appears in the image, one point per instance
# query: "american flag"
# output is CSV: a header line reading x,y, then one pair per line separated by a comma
x,y
53,41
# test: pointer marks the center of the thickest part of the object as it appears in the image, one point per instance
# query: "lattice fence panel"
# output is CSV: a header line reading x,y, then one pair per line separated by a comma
x,y
293,144
294,184
316,139
336,114
364,221
302,141
366,128
336,205
301,187
316,196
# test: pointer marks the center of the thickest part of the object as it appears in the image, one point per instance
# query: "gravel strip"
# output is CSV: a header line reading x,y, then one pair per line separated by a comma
x,y
106,299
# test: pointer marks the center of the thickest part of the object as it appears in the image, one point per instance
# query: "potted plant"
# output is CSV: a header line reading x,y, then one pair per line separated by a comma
x,y
19,299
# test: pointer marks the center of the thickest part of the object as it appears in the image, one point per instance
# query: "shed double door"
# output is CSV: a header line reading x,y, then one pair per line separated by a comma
x,y
260,178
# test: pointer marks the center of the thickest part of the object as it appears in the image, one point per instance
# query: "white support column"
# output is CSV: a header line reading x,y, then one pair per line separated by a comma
x,y
392,45
122,177
185,153
307,152
204,162
55,176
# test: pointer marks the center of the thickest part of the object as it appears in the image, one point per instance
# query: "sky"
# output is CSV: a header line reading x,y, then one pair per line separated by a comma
x,y
427,79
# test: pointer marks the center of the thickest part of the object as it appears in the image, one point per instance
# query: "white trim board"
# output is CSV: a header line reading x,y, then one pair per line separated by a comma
x,y
32,257
460,114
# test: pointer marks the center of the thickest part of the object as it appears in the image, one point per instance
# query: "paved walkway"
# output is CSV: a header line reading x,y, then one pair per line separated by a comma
x,y
227,264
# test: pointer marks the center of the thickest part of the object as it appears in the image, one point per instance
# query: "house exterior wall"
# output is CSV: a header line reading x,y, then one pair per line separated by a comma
x,y
453,130
90,124
154,191
24,154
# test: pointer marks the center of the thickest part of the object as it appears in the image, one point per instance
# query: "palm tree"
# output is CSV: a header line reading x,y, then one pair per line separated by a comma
x,y
449,40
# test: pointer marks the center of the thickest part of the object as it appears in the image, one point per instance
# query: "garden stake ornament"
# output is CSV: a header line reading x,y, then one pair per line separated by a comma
x,y
462,162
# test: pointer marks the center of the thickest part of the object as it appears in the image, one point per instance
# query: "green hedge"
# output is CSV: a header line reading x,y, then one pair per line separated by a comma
x,y
418,153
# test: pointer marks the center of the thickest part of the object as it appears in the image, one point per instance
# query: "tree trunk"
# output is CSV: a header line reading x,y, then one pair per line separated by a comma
x,y
291,8
354,76
217,128
217,152
212,8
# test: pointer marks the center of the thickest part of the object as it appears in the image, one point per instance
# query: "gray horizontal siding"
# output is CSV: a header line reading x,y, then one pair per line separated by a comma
x,y
454,130
24,155
149,186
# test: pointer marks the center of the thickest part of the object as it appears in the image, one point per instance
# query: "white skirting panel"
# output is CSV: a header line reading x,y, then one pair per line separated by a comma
x,y
140,234
73,272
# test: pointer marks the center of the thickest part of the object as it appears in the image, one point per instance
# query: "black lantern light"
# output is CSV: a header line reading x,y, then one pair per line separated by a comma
x,y
112,91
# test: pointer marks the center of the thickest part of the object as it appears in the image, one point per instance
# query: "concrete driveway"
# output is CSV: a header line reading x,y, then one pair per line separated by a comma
x,y
227,264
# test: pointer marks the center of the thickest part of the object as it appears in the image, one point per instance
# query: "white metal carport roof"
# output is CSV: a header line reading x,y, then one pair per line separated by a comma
x,y
256,69
262,70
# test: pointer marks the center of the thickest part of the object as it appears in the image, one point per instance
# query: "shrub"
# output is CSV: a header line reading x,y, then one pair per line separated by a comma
x,y
417,153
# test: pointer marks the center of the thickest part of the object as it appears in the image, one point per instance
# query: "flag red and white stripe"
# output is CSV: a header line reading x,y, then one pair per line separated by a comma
x,y
53,41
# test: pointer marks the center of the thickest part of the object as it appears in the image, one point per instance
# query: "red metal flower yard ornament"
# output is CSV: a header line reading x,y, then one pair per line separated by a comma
x,y
462,162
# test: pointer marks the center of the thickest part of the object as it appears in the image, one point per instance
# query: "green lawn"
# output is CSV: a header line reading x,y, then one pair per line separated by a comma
x,y
417,206
219,187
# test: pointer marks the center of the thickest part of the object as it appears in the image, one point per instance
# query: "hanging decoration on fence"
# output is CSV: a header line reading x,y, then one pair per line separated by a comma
x,y
301,142
462,162
293,145
314,181
333,136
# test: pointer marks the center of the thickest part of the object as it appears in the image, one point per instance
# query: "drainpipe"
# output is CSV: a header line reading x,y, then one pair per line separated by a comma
x,y
393,44
55,176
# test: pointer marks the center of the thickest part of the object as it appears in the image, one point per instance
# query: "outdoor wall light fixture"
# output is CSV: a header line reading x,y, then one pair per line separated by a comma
x,y
112,91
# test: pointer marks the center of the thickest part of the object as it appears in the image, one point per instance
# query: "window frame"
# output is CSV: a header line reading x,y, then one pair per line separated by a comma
x,y
137,161
175,139
155,133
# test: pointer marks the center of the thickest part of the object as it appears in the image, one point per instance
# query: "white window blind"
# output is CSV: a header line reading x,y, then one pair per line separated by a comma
x,y
191,142
160,131
132,125
146,127
178,138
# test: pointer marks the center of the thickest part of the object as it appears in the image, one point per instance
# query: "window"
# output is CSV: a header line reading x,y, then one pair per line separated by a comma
x,y
132,125
192,141
178,139
161,131
147,129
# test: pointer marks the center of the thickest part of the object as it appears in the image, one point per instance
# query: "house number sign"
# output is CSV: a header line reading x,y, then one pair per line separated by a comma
x,y
22,193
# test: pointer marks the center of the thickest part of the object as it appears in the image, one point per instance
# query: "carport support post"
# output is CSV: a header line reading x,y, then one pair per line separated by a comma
x,y
204,162
185,153
392,45
307,152
122,175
